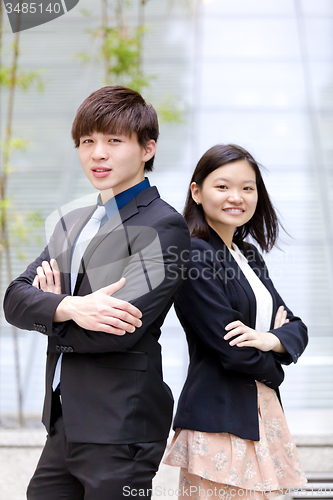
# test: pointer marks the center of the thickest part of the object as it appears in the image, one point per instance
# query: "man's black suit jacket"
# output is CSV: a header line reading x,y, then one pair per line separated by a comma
x,y
112,387
220,393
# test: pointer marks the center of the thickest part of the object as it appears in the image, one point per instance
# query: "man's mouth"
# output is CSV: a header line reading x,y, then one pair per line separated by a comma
x,y
100,172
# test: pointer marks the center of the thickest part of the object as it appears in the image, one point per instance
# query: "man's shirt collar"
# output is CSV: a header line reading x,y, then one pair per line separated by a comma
x,y
120,200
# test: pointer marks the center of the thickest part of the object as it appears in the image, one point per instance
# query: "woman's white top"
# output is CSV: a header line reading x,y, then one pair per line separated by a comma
x,y
263,297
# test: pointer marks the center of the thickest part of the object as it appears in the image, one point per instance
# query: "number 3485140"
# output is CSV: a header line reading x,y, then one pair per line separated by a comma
x,y
32,8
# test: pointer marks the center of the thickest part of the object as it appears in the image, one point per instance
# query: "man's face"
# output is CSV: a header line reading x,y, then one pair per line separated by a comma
x,y
113,163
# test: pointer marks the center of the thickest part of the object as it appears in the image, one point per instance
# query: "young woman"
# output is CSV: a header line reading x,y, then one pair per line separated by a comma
x,y
231,439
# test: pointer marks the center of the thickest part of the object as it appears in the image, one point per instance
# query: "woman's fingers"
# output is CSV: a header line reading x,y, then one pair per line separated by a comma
x,y
233,324
235,331
280,317
246,337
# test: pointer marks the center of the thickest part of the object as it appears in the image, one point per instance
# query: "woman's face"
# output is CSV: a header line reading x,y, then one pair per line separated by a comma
x,y
228,196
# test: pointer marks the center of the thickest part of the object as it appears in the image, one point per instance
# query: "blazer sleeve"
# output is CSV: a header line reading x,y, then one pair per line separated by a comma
x,y
292,335
29,308
174,241
204,300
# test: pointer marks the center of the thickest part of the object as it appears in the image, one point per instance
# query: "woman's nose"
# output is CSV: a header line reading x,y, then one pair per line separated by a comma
x,y
235,197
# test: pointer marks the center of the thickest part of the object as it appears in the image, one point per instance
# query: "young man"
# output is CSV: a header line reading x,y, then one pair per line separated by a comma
x,y
109,420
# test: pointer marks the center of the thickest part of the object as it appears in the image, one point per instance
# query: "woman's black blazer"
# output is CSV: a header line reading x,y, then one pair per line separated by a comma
x,y
220,394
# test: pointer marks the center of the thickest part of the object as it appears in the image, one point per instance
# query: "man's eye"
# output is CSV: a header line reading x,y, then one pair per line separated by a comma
x,y
86,141
114,140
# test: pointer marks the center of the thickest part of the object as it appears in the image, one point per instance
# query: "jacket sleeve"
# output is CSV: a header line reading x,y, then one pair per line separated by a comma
x,y
29,308
292,335
153,276
204,301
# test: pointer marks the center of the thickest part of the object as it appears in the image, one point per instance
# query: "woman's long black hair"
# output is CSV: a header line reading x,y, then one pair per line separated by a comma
x,y
263,225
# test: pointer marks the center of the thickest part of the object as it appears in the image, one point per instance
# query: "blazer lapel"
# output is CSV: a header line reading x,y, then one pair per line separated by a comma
x,y
126,212
257,263
113,223
233,271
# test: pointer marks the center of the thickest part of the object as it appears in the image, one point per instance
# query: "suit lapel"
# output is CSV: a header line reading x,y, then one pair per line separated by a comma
x,y
125,213
257,263
233,271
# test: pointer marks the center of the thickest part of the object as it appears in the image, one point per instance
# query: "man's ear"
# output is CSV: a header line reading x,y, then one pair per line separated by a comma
x,y
150,150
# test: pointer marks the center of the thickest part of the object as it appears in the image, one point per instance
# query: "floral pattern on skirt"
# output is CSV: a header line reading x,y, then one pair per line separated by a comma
x,y
223,461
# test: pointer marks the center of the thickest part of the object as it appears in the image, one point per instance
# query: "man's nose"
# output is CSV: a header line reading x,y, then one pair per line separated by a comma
x,y
100,152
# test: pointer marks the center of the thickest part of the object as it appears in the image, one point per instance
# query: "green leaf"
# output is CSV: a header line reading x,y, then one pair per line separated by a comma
x,y
171,110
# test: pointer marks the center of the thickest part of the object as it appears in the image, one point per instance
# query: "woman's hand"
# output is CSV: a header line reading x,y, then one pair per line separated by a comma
x,y
247,337
48,277
280,317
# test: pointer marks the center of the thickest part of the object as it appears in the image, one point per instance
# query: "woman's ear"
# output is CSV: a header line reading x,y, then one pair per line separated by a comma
x,y
150,150
196,194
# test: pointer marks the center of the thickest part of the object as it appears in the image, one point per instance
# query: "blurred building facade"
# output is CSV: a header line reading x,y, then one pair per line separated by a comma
x,y
252,72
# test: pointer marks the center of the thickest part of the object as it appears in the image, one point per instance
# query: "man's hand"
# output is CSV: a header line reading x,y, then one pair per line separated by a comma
x,y
265,341
48,277
100,312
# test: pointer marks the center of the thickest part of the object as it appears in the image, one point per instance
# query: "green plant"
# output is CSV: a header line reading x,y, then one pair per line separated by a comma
x,y
14,228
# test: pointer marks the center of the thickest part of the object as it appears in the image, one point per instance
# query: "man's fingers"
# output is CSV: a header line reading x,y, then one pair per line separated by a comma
x,y
54,265
121,304
56,272
127,317
41,276
102,327
114,287
35,282
48,272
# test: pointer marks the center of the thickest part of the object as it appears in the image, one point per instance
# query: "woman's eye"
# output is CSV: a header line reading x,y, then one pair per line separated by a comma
x,y
222,187
248,188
